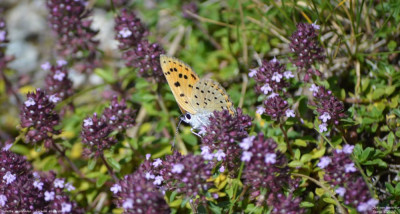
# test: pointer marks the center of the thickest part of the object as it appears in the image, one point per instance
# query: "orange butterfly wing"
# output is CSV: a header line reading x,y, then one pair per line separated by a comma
x,y
181,78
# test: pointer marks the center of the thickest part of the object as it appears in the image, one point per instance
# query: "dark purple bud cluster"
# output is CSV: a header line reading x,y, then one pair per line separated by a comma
x,y
96,130
342,174
329,108
57,82
285,204
271,77
137,194
137,51
118,115
276,106
187,175
271,80
22,189
189,7
37,114
95,134
120,3
304,43
266,169
68,19
146,57
130,30
3,41
221,137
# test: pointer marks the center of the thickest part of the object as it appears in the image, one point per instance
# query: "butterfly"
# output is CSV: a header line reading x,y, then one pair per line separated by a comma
x,y
197,98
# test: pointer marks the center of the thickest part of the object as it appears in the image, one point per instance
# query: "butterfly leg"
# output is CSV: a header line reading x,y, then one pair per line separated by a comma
x,y
195,133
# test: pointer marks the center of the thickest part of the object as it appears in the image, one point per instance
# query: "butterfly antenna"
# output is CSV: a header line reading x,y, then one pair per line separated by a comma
x,y
176,132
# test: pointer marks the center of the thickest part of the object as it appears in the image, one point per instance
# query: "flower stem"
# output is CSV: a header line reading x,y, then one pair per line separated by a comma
x,y
286,139
109,169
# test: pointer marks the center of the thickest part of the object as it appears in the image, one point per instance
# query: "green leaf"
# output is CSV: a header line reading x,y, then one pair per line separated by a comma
x,y
92,163
172,196
306,204
392,45
378,93
101,180
378,162
300,142
295,164
389,187
49,163
114,164
389,90
305,158
105,75
329,200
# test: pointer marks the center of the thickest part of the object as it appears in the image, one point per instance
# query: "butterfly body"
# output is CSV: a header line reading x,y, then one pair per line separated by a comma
x,y
197,98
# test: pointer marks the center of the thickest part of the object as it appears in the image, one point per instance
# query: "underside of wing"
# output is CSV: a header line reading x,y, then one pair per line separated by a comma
x,y
181,79
209,95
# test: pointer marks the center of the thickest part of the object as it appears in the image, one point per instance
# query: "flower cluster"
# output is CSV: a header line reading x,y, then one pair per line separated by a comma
x,y
118,115
37,113
265,169
285,204
130,30
271,79
189,7
340,172
3,41
304,43
221,137
136,50
57,82
330,109
68,19
22,189
95,134
186,174
146,57
137,194
96,130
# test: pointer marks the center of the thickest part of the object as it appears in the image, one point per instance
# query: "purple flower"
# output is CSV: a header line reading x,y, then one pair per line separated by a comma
x,y
270,158
224,134
95,134
186,174
323,127
130,30
325,161
329,108
265,169
57,81
157,162
269,77
304,44
246,156
285,204
276,107
59,183
341,171
191,7
119,116
39,116
116,188
147,198
30,191
290,113
146,58
68,20
247,142
341,191
260,110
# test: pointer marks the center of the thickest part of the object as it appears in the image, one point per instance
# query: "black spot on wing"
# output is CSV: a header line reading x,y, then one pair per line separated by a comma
x,y
177,84
182,95
180,75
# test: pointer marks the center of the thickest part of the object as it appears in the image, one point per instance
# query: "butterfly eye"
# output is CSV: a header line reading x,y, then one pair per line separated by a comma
x,y
188,116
